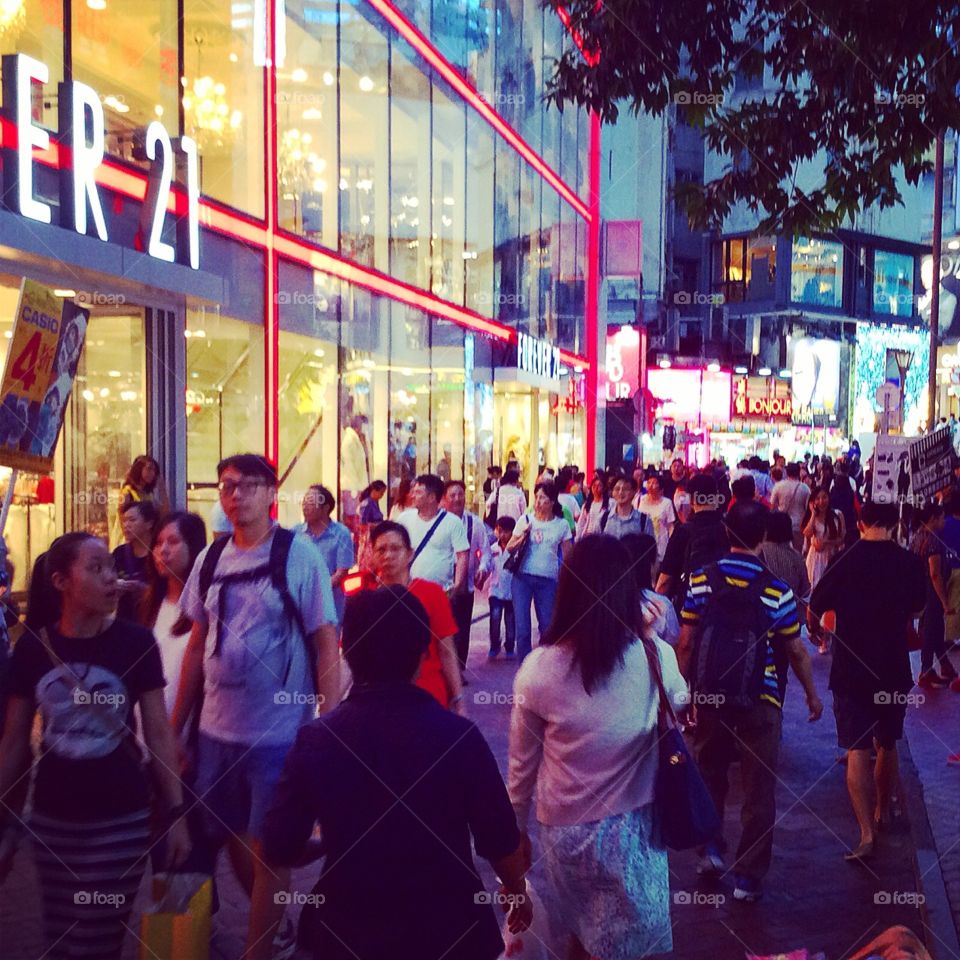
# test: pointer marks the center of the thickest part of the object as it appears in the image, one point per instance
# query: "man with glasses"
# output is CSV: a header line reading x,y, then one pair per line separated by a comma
x,y
263,654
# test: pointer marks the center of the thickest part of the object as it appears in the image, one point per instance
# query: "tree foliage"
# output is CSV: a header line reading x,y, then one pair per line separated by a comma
x,y
859,87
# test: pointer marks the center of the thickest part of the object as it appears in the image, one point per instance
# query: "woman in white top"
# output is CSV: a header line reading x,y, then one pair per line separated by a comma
x,y
179,539
584,734
598,500
542,537
508,498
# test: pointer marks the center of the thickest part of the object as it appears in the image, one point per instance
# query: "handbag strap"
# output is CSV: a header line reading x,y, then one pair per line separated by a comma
x,y
665,712
422,544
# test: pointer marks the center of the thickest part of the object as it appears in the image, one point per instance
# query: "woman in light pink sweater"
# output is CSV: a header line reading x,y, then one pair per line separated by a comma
x,y
584,733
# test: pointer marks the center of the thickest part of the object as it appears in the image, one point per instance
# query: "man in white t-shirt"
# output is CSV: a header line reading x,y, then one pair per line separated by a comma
x,y
438,538
661,513
791,496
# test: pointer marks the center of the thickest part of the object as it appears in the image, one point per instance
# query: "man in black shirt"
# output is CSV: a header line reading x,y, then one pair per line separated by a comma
x,y
875,587
398,786
700,541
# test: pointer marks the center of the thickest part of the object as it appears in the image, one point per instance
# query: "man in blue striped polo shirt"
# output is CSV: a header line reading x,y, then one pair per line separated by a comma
x,y
740,632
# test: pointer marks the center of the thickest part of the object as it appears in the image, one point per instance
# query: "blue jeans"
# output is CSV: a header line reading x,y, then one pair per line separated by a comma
x,y
543,592
502,610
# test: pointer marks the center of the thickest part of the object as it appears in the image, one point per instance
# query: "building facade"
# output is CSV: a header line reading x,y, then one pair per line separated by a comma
x,y
393,263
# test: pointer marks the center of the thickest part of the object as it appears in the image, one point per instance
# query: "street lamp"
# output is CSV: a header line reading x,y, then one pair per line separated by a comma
x,y
903,359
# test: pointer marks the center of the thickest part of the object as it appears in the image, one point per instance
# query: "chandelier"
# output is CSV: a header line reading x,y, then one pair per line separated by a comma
x,y
301,168
208,115
13,15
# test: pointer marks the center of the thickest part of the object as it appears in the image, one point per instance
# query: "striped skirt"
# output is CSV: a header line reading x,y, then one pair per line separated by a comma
x,y
89,876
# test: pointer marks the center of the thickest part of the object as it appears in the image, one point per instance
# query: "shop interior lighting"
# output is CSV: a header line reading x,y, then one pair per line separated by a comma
x,y
953,245
64,293
664,364
764,372
742,371
328,78
713,367
299,75
365,84
97,4
786,374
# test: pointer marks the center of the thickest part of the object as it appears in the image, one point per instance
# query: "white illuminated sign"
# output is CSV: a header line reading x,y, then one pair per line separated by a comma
x,y
80,110
538,357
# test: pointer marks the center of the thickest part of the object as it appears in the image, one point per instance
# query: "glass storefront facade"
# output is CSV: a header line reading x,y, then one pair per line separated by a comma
x,y
381,212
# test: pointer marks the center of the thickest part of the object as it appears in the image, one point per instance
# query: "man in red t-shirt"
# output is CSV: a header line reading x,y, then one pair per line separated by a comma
x,y
392,556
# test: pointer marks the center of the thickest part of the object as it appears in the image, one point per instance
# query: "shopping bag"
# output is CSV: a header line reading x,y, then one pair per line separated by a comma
x,y
176,926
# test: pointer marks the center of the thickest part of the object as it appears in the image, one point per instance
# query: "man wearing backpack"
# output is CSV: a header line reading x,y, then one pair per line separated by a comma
x,y
261,657
694,544
740,631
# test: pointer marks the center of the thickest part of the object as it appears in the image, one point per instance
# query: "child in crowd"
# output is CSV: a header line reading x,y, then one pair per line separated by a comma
x,y
501,602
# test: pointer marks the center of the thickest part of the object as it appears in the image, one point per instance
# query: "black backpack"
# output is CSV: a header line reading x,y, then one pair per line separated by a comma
x,y
276,569
705,545
731,655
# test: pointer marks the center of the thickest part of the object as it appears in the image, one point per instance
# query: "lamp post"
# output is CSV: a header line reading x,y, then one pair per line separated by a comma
x,y
903,360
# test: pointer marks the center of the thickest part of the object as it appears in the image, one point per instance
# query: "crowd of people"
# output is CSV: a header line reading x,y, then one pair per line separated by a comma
x,y
284,682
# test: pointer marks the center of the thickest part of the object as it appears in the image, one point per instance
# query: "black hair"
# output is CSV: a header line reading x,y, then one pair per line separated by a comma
x,y
779,527
746,524
390,526
507,524
385,634
595,609
134,477
643,554
454,483
511,475
432,484
328,497
148,511
744,488
378,485
874,514
249,465
703,490
793,471
550,489
61,556
605,496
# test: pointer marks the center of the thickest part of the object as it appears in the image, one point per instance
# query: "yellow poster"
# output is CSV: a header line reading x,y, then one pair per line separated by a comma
x,y
48,335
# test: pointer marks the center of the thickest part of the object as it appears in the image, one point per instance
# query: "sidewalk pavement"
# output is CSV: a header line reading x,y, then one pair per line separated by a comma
x,y
812,898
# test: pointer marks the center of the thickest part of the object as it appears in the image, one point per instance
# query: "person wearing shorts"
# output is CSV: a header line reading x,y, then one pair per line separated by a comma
x,y
264,660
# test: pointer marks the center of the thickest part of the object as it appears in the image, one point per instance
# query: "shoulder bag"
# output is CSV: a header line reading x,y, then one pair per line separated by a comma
x,y
515,560
684,810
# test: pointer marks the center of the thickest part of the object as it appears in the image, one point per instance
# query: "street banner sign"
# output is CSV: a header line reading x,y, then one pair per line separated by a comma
x,y
891,470
931,464
48,336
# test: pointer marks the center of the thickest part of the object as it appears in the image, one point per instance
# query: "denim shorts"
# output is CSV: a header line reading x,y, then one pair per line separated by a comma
x,y
235,783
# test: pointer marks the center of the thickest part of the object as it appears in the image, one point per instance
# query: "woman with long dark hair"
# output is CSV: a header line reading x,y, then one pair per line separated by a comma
x,y
144,482
90,815
823,533
598,500
541,537
584,734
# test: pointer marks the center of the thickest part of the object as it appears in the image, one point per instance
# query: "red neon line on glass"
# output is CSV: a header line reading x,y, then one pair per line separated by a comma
x,y
469,93
591,56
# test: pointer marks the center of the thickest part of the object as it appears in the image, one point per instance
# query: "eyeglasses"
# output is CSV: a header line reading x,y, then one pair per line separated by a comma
x,y
228,488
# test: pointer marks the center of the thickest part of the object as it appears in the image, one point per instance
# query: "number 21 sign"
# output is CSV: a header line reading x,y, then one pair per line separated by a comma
x,y
48,335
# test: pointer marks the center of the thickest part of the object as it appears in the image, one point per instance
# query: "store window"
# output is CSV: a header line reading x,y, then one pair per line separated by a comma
x,y
893,283
224,396
410,208
747,268
816,273
127,52
479,251
506,231
447,399
478,415
223,101
448,200
364,137
410,376
308,394
35,27
307,123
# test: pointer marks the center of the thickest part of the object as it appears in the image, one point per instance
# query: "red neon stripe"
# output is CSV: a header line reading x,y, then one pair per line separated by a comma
x,y
469,93
592,57
592,316
271,333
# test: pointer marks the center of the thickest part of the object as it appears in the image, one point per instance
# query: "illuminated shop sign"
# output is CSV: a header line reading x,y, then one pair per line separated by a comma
x,y
815,376
622,367
761,398
80,110
538,357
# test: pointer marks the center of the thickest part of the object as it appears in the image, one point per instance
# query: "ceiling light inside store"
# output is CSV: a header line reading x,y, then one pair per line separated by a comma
x,y
158,110
664,364
764,372
115,104
88,395
328,78
365,84
114,373
953,245
449,202
318,352
234,58
104,392
740,370
128,395
97,4
312,113
713,367
299,75
64,293
786,374
8,334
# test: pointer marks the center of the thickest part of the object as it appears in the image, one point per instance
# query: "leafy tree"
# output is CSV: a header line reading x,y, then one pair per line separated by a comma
x,y
858,87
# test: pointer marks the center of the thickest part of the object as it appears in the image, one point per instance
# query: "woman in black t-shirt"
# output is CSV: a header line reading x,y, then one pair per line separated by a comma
x,y
90,819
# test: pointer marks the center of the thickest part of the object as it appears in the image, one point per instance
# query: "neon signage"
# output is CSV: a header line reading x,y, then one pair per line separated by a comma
x,y
80,110
754,399
538,357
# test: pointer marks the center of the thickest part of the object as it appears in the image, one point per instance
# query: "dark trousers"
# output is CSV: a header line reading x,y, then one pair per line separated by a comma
x,y
934,647
755,735
462,604
502,609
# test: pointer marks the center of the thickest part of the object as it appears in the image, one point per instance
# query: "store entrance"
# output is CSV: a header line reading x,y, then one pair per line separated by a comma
x,y
105,427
